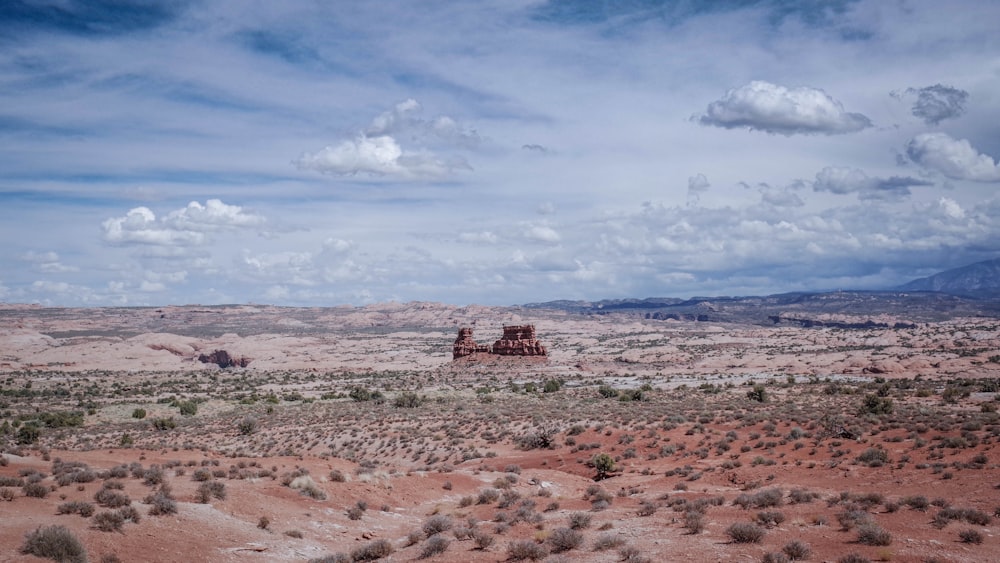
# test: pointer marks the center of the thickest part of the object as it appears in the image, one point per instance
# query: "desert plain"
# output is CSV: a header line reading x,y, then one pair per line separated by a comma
x,y
353,435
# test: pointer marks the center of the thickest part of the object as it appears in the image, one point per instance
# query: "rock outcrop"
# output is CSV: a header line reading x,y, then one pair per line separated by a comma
x,y
517,340
222,359
465,345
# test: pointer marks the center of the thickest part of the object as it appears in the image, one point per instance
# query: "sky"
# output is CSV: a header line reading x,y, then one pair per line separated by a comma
x,y
497,152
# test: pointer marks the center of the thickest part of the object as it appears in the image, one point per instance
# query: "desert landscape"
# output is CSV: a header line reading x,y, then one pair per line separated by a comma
x,y
352,434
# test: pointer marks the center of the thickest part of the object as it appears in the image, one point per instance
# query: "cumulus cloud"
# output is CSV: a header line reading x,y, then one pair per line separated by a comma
x,y
843,180
183,227
377,152
213,215
776,109
955,158
936,103
379,156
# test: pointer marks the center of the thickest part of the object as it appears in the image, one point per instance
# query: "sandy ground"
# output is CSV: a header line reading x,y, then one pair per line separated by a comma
x,y
692,442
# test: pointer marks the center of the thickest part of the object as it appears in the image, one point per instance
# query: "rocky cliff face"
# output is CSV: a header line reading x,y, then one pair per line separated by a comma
x,y
518,340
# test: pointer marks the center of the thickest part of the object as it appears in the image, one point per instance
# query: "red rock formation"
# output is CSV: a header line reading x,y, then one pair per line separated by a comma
x,y
222,359
519,340
465,345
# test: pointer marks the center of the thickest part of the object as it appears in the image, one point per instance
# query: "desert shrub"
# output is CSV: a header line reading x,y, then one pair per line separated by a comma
x,y
745,532
801,496
372,551
918,502
646,508
153,476
35,490
488,496
437,524
335,558
307,487
873,404
579,520
109,521
873,534
407,400
608,392
201,474
564,539
130,513
524,549
247,425
970,536
337,476
139,413
767,498
551,386
757,393
770,518
28,434
56,543
539,439
433,546
210,489
873,457
80,507
797,550
694,522
111,498
482,540
161,504
774,557
604,464
294,534
7,481
163,423
188,408
854,558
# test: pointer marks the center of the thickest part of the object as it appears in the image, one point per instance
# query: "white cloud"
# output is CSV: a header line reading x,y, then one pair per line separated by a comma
x,y
955,158
772,108
140,226
377,152
183,227
211,216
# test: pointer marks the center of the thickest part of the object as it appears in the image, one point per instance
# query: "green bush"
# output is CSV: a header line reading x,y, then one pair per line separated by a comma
x,y
873,404
604,464
551,386
188,408
139,413
757,393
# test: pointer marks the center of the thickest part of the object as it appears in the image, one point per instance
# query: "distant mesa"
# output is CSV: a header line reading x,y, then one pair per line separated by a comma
x,y
517,340
222,359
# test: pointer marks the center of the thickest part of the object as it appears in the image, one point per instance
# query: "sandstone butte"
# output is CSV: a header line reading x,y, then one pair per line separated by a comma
x,y
517,340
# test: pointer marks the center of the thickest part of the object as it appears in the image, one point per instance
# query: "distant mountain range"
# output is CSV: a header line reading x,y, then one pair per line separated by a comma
x,y
968,291
981,279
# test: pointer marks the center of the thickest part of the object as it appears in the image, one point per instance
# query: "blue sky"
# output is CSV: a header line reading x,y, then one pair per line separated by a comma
x,y
494,152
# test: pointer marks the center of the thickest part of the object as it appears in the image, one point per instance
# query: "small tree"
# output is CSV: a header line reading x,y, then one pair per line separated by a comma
x,y
757,393
605,465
